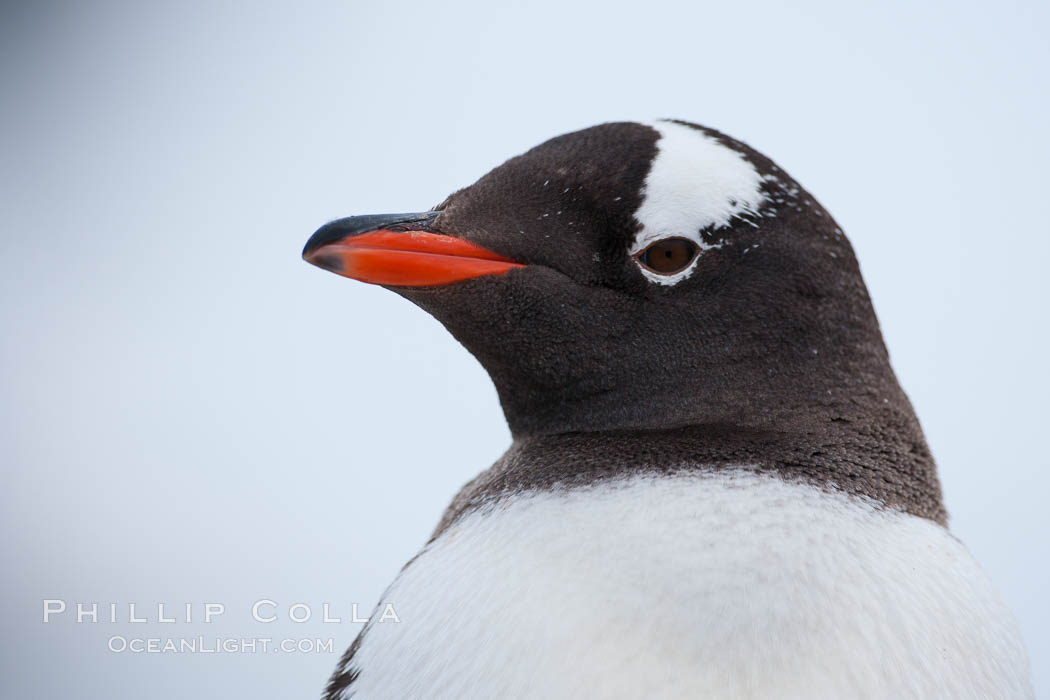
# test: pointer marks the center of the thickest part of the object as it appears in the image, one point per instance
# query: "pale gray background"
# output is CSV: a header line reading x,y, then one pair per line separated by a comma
x,y
189,413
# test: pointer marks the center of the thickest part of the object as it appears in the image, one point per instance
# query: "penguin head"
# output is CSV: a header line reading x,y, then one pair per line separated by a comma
x,y
636,276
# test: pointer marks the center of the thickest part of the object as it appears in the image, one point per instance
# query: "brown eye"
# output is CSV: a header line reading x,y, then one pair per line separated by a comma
x,y
668,256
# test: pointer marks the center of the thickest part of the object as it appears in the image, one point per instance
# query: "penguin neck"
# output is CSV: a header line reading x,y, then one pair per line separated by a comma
x,y
829,410
752,378
873,450
851,430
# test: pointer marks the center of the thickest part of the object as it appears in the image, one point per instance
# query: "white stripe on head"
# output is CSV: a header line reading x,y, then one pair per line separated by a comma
x,y
694,184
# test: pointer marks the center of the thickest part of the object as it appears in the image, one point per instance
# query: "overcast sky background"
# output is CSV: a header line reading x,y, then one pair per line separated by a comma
x,y
189,413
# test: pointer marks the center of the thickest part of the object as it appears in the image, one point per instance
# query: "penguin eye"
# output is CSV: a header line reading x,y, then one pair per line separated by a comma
x,y
668,256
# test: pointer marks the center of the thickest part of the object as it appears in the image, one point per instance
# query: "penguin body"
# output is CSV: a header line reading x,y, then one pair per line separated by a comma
x,y
717,488
709,583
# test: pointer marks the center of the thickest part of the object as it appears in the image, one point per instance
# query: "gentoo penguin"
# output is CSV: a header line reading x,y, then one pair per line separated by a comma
x,y
716,486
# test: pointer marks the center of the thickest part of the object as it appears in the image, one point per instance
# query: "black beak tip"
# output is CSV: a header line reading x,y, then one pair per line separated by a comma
x,y
329,233
324,260
339,229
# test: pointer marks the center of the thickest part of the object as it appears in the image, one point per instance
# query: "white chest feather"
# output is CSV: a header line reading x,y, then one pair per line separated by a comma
x,y
724,585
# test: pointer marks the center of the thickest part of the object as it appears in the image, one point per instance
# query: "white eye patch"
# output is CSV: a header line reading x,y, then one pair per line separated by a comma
x,y
694,184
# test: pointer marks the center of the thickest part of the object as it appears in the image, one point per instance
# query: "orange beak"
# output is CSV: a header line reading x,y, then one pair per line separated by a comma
x,y
400,258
